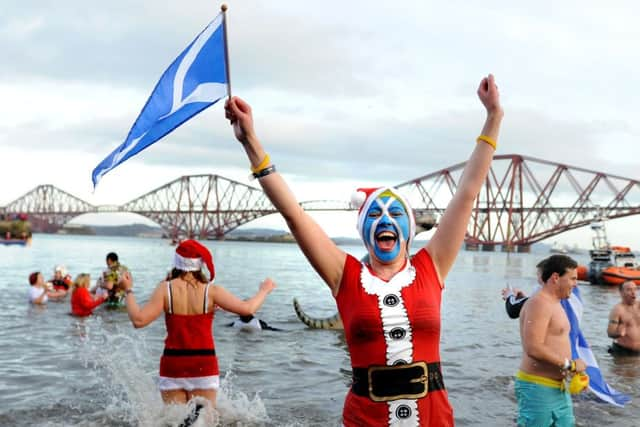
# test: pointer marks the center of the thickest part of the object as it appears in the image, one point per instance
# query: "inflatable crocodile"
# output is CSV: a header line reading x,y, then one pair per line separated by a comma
x,y
333,322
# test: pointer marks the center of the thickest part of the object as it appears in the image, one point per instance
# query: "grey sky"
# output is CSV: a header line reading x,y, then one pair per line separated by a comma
x,y
344,93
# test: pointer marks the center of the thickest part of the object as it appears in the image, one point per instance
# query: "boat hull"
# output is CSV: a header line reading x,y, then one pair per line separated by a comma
x,y
617,275
13,242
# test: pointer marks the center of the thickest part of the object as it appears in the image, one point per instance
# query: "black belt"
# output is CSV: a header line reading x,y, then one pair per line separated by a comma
x,y
408,381
189,352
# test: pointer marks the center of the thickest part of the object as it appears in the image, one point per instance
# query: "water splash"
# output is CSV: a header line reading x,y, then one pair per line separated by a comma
x,y
127,366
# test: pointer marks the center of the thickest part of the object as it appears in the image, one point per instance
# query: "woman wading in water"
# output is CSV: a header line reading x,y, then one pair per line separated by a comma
x,y
390,306
189,365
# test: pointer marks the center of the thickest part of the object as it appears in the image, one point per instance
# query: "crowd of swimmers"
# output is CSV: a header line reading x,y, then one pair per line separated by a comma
x,y
84,298
107,289
389,304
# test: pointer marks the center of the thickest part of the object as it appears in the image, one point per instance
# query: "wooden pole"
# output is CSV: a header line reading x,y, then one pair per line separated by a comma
x,y
223,8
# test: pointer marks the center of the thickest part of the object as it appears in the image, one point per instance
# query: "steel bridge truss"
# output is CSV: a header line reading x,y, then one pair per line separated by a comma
x,y
49,208
208,206
201,206
525,200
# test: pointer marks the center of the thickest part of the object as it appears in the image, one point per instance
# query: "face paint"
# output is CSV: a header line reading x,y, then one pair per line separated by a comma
x,y
386,227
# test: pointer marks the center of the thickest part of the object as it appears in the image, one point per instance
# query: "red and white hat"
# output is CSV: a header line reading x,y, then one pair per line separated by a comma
x,y
362,198
190,255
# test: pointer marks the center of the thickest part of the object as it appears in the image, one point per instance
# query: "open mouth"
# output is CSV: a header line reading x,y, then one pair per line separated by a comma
x,y
386,240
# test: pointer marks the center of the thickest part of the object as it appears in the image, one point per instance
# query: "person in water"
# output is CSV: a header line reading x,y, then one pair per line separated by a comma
x,y
61,281
189,366
624,322
82,302
546,361
109,282
40,292
251,323
390,306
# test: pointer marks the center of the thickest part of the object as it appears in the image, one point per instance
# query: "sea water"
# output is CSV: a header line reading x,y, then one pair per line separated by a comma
x,y
59,370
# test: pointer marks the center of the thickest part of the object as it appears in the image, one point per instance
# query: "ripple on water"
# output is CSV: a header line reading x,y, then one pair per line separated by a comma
x,y
59,370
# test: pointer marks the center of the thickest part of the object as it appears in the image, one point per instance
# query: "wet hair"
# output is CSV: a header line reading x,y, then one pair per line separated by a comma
x,y
247,318
621,285
557,264
33,278
82,280
112,256
199,275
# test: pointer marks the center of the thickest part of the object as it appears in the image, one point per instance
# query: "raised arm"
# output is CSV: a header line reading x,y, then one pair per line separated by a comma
x,y
445,243
141,317
325,257
229,302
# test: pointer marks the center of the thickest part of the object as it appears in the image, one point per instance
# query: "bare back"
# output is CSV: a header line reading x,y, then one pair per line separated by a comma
x,y
187,297
544,330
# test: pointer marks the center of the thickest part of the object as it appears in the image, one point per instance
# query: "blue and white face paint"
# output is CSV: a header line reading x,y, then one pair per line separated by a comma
x,y
386,224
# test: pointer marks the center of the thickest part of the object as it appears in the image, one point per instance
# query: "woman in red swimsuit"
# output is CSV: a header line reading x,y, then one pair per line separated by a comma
x,y
189,366
390,305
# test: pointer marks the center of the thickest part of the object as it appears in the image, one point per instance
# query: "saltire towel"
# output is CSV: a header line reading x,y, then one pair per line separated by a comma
x,y
580,349
195,80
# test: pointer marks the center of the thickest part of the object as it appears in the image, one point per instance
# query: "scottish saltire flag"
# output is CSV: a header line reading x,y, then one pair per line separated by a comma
x,y
580,349
195,80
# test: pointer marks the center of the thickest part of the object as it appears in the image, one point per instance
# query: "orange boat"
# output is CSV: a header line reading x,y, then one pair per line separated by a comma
x,y
610,266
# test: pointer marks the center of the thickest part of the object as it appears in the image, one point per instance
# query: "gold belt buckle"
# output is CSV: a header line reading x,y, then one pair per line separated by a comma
x,y
424,379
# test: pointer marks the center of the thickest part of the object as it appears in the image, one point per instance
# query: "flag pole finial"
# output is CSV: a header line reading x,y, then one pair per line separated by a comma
x,y
223,7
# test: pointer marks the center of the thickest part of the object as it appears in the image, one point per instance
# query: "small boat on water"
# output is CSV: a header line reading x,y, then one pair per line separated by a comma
x,y
17,242
15,230
609,265
564,249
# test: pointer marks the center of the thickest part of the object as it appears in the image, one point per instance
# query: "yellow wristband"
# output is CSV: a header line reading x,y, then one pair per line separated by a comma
x,y
263,164
488,140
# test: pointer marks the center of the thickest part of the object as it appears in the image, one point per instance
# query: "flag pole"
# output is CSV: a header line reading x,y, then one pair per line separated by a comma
x,y
223,8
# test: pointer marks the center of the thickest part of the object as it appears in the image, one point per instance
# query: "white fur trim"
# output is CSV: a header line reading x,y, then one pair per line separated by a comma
x,y
408,411
376,286
397,332
358,198
187,264
194,383
373,196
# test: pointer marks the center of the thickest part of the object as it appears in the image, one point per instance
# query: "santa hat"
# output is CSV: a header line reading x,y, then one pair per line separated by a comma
x,y
362,199
190,255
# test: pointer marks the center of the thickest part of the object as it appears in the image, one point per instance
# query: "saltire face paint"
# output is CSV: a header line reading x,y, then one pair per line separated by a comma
x,y
386,226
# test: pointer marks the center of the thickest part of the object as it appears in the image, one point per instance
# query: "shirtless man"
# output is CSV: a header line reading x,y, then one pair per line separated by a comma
x,y
624,323
546,357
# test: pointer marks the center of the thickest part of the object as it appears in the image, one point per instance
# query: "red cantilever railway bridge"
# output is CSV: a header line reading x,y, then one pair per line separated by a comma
x,y
524,200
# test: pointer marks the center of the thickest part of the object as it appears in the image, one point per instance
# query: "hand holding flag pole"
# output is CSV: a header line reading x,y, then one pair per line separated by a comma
x,y
195,80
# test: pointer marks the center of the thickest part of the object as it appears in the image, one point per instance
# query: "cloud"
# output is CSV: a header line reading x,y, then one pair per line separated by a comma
x,y
344,93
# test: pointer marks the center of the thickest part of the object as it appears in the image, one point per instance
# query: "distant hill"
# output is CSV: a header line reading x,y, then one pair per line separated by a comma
x,y
247,235
260,235
131,230
256,232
